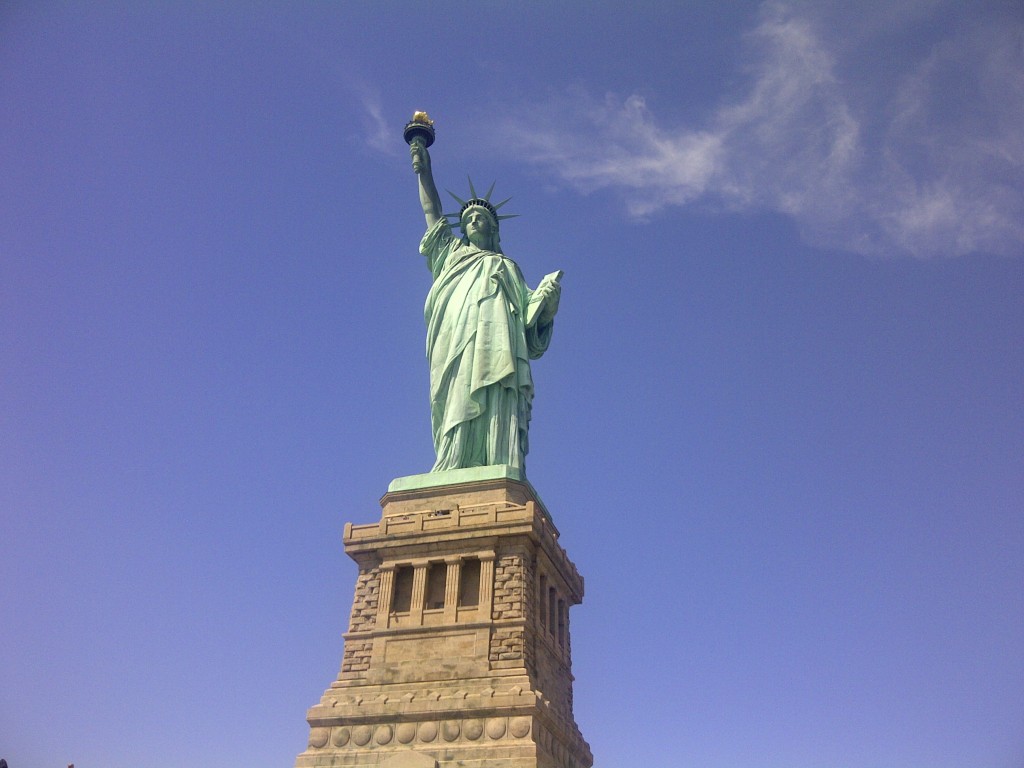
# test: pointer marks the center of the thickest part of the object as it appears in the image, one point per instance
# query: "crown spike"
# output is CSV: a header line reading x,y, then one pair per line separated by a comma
x,y
472,191
458,199
496,207
508,216
487,197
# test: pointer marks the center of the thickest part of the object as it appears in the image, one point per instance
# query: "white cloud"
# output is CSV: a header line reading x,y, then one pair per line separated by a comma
x,y
954,150
936,168
380,134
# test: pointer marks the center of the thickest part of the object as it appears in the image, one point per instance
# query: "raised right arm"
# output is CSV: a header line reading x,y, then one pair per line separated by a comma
x,y
429,198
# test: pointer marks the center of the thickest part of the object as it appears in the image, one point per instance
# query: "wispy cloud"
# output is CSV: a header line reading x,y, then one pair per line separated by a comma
x,y
379,133
935,168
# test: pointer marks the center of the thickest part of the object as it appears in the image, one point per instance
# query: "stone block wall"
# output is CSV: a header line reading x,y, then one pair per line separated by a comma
x,y
364,604
357,656
508,586
506,645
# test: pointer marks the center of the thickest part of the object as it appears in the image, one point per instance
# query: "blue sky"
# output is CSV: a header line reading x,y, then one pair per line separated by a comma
x,y
779,426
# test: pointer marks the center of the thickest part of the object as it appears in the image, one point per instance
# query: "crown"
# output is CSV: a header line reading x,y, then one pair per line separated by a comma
x,y
479,202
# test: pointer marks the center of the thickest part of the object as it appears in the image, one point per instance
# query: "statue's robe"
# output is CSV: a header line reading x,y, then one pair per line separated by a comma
x,y
479,350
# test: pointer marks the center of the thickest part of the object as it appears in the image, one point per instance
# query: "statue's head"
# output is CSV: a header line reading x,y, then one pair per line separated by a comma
x,y
479,224
479,218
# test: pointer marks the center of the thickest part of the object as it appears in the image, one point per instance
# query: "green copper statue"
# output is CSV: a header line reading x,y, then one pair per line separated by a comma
x,y
484,325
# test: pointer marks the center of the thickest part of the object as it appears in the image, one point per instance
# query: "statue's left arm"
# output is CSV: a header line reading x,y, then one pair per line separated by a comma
x,y
551,294
540,314
543,302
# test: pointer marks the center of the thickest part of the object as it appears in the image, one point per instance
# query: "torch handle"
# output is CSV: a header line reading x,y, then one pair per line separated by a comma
x,y
417,148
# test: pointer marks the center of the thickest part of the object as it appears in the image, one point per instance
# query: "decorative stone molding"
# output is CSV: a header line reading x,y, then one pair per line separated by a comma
x,y
472,729
318,737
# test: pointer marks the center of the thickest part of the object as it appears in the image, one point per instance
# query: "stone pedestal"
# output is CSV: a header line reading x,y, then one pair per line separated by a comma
x,y
458,650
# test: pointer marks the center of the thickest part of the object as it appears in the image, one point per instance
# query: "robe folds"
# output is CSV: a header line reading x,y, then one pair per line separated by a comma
x,y
479,350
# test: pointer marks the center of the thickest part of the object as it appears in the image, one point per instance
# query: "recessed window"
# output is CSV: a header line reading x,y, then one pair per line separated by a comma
x,y
552,604
435,586
401,602
543,601
469,584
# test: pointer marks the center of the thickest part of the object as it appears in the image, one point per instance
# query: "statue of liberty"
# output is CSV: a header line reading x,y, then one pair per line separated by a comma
x,y
484,325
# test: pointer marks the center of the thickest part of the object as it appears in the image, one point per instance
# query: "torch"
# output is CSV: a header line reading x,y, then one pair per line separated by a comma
x,y
419,130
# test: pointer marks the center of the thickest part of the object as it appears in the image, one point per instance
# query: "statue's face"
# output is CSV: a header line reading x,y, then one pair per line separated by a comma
x,y
477,226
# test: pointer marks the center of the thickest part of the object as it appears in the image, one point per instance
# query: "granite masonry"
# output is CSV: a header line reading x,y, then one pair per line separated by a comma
x,y
458,651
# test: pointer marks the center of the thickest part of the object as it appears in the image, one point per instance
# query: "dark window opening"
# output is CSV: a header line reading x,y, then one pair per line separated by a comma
x,y
401,602
469,586
543,601
552,604
436,573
